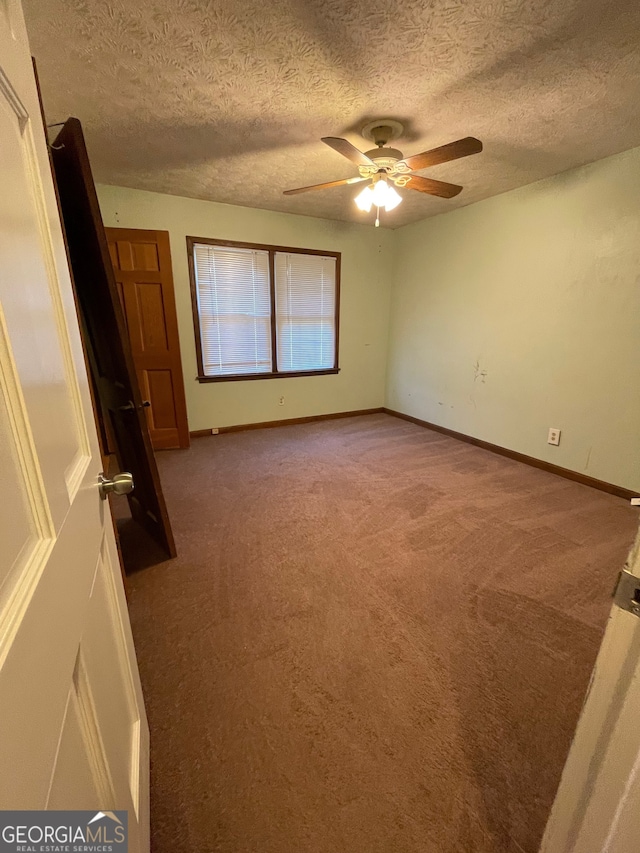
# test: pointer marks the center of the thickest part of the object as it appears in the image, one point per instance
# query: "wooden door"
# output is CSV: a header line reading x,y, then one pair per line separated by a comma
x,y
105,331
142,266
73,732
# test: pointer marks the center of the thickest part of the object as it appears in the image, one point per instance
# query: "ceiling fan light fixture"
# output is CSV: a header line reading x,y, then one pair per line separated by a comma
x,y
385,167
364,200
385,195
393,198
381,194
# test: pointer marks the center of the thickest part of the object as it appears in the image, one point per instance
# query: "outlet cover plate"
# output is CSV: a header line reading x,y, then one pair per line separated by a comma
x,y
554,436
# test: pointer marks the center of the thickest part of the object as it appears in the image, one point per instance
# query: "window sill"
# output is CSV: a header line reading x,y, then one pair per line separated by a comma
x,y
243,377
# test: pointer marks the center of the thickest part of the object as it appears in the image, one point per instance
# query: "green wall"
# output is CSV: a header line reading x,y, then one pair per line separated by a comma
x,y
364,302
498,320
522,312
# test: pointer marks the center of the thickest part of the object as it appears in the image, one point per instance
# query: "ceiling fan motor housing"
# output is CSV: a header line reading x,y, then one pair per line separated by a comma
x,y
384,156
386,161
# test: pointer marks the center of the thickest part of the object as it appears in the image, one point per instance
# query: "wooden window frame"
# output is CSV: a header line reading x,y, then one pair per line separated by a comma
x,y
271,250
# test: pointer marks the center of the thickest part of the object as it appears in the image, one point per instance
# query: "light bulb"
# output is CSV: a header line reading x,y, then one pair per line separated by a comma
x,y
380,190
381,194
393,198
384,195
365,199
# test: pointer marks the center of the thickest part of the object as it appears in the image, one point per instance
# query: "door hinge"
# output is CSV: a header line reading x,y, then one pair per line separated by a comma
x,y
627,592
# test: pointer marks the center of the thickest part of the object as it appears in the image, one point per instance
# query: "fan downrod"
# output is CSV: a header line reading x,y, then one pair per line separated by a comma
x,y
381,131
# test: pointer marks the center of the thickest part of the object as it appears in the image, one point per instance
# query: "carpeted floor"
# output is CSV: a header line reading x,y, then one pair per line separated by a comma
x,y
376,639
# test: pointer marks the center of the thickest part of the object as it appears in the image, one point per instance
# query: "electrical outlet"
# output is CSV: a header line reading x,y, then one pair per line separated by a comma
x,y
281,401
554,436
215,431
635,501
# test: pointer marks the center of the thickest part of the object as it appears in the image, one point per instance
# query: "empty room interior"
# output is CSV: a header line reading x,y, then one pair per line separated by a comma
x,y
377,271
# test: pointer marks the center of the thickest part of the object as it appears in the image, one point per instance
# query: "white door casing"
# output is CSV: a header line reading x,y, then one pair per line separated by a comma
x,y
597,807
73,730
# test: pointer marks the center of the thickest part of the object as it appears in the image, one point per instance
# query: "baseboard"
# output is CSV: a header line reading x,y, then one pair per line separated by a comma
x,y
200,433
567,473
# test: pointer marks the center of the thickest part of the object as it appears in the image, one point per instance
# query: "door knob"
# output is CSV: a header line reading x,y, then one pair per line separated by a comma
x,y
131,406
119,484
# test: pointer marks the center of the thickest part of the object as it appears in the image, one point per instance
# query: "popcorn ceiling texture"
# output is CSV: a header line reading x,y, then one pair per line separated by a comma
x,y
227,101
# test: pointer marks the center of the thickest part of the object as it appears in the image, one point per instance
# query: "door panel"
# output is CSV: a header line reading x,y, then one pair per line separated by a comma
x,y
58,561
104,650
74,779
24,523
106,333
162,412
142,267
151,333
29,260
135,254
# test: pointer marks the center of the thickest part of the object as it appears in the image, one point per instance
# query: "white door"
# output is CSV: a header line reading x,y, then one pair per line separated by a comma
x,y
73,732
597,808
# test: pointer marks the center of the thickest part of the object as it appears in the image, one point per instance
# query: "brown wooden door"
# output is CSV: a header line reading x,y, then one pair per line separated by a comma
x,y
142,266
104,332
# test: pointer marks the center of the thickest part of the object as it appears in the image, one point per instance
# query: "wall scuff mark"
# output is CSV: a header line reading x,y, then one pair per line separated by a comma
x,y
478,372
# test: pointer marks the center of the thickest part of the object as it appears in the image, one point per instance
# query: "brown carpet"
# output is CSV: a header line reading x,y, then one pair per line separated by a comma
x,y
376,639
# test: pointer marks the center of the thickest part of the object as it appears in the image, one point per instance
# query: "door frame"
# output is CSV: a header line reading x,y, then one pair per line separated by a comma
x,y
600,783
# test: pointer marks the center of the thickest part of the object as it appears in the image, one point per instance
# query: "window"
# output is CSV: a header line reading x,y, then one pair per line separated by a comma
x,y
263,311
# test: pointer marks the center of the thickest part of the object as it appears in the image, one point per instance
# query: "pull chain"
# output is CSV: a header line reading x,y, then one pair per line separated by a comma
x,y
378,217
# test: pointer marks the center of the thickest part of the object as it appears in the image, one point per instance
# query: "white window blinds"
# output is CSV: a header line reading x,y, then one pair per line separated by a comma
x,y
305,311
234,309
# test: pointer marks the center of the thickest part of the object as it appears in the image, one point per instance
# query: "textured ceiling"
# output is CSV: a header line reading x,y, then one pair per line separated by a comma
x,y
227,100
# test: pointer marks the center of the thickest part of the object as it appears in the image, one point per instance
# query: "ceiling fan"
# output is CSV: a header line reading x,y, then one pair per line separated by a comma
x,y
386,168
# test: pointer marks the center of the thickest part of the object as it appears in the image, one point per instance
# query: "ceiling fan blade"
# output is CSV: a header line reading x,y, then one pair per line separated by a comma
x,y
431,187
325,186
452,151
344,147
